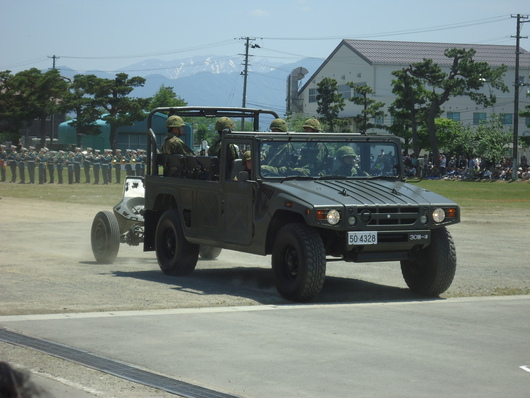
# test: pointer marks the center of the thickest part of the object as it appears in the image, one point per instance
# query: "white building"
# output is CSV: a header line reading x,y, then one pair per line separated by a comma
x,y
372,62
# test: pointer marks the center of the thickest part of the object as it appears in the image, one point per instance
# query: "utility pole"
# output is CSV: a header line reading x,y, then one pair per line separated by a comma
x,y
245,72
517,85
54,58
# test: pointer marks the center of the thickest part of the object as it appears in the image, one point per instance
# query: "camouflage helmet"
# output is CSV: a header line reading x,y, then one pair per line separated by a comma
x,y
224,123
345,151
313,124
174,121
279,124
247,156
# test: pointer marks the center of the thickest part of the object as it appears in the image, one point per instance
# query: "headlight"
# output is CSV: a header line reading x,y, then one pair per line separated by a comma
x,y
438,215
333,217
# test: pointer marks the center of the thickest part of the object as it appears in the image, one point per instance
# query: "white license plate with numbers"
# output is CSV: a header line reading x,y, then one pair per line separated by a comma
x,y
362,238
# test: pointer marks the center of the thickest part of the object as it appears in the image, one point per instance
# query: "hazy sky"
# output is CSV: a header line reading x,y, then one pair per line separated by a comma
x,y
110,34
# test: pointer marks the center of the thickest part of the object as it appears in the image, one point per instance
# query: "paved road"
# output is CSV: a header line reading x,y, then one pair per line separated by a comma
x,y
476,347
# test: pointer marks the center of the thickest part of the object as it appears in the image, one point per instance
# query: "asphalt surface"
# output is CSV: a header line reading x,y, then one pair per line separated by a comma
x,y
469,347
225,331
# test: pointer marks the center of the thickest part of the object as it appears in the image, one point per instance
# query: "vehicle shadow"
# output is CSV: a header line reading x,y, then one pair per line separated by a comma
x,y
257,284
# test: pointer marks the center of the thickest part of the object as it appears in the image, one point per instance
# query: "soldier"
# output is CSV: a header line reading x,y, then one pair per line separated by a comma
x,y
346,162
70,163
247,164
173,144
59,163
140,163
21,163
78,159
30,164
41,160
3,162
223,124
12,162
106,161
52,158
116,163
313,156
127,162
278,125
96,161
87,160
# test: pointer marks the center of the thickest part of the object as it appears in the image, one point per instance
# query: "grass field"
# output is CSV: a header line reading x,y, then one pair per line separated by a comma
x,y
470,195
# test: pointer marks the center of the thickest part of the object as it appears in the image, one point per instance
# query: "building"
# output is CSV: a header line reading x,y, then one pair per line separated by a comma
x,y
128,137
372,62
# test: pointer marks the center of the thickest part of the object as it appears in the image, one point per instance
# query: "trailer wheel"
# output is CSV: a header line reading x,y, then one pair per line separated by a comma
x,y
105,237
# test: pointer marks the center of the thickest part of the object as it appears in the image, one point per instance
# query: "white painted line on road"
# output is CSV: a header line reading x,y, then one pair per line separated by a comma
x,y
525,368
267,307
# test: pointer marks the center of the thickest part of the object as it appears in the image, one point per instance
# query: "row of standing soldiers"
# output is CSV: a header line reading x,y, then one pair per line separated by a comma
x,y
48,163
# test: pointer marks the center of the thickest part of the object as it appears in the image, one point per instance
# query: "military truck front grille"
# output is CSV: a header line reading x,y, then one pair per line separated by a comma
x,y
373,216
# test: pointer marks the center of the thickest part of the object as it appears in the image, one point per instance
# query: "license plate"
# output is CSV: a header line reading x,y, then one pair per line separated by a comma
x,y
362,238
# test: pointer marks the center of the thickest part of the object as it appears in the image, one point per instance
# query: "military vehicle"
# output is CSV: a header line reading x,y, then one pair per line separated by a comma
x,y
306,198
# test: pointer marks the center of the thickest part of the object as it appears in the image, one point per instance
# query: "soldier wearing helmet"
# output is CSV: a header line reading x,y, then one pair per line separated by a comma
x,y
223,124
345,162
313,156
173,144
247,164
278,125
312,125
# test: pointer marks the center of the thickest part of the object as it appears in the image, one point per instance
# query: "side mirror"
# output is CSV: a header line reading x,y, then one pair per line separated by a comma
x,y
242,176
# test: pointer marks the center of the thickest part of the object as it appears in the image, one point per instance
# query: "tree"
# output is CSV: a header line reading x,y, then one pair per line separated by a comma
x,y
111,96
329,101
408,109
12,111
78,100
465,78
165,96
372,109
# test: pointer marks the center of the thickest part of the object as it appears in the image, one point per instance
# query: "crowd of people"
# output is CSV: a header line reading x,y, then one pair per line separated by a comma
x,y
29,166
464,168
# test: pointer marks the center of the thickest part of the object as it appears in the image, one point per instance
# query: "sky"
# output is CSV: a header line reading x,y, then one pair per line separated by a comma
x,y
106,35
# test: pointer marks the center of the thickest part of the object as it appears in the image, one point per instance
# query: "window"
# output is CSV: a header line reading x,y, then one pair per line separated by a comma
x,y
478,117
313,95
345,91
380,120
507,118
355,93
454,116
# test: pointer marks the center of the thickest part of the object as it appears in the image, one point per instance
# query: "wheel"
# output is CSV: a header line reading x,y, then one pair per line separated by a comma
x,y
431,271
298,262
105,237
209,252
175,255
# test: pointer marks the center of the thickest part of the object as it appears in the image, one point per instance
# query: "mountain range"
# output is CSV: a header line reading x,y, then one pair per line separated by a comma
x,y
215,80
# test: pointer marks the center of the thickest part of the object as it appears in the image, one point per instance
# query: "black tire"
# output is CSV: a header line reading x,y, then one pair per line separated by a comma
x,y
175,255
298,262
432,270
209,252
105,237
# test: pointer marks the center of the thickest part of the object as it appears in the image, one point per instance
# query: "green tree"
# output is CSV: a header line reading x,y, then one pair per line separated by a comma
x,y
78,100
329,101
371,109
120,110
165,96
465,78
12,110
408,109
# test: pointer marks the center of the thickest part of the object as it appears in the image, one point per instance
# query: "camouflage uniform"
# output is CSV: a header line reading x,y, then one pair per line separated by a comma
x,y
346,158
313,156
223,124
173,144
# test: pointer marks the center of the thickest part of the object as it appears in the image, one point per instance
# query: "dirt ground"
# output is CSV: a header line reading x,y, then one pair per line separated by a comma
x,y
47,266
